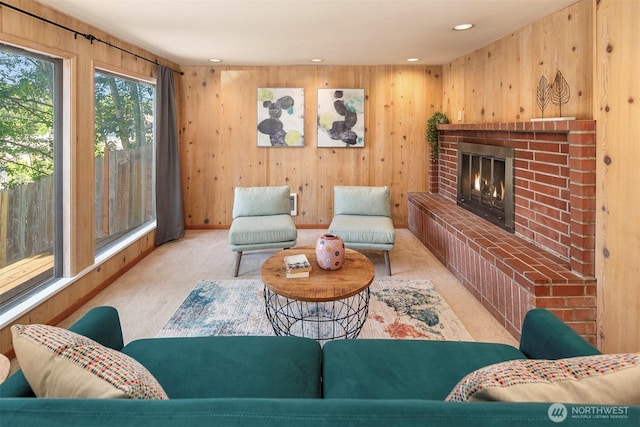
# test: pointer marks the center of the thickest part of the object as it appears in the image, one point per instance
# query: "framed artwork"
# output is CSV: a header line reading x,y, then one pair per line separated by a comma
x,y
280,117
340,117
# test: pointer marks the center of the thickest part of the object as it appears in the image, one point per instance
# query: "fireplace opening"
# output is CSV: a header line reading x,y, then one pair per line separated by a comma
x,y
485,182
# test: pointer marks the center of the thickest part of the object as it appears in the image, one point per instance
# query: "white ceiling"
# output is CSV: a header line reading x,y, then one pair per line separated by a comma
x,y
291,32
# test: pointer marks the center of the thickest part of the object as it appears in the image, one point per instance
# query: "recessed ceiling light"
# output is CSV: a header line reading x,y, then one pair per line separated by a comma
x,y
463,27
413,59
215,60
317,60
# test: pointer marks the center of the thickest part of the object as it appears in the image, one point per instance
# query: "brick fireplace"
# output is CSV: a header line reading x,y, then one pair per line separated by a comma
x,y
549,260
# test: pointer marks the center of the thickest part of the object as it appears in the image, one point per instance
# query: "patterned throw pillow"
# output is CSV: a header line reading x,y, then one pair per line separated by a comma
x,y
59,363
607,379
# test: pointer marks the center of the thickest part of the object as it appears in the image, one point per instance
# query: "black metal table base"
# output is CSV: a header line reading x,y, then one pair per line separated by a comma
x,y
322,321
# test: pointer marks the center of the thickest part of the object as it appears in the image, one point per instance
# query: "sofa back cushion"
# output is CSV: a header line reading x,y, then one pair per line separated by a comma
x,y
361,200
232,366
260,201
403,369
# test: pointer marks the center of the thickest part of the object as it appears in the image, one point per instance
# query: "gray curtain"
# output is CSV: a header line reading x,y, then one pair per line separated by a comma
x,y
169,210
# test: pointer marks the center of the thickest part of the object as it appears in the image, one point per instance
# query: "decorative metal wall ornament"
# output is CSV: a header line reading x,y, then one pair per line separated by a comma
x,y
560,91
557,92
542,93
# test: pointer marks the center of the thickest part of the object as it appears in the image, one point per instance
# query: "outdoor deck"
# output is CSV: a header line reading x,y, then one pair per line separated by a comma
x,y
19,272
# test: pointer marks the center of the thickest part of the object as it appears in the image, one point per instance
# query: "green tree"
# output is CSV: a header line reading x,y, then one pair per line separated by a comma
x,y
26,119
123,111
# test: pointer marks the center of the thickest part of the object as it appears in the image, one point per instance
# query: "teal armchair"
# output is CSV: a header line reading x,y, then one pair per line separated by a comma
x,y
362,218
261,220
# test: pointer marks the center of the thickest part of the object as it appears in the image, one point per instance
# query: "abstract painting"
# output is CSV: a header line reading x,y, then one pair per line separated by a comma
x,y
340,117
280,117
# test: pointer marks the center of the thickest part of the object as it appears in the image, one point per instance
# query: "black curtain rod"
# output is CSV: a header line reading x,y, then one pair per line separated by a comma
x,y
76,33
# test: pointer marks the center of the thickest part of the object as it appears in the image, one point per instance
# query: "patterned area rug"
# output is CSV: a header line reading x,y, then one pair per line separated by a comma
x,y
398,309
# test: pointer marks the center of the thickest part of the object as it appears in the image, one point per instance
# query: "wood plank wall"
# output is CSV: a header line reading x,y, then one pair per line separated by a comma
x,y
498,82
81,57
219,149
617,111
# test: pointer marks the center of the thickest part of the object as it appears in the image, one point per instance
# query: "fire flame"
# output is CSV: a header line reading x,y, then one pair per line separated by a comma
x,y
495,191
494,194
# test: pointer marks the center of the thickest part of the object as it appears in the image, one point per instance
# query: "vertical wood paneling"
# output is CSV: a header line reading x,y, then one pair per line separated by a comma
x,y
219,149
453,90
618,153
526,93
81,162
497,82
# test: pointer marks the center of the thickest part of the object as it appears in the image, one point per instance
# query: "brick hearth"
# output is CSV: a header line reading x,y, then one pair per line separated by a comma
x,y
549,261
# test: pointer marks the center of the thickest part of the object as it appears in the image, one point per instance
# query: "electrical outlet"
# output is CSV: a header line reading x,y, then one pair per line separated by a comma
x,y
459,115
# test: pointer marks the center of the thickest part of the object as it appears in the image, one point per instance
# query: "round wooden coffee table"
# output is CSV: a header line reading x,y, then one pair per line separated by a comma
x,y
326,305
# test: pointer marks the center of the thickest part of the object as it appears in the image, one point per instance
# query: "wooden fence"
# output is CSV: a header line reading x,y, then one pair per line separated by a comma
x,y
123,201
123,194
26,226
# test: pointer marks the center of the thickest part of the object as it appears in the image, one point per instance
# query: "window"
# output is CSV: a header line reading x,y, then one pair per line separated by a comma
x,y
124,156
30,135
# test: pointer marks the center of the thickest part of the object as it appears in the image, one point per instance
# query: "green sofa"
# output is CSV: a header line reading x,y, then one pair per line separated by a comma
x,y
282,381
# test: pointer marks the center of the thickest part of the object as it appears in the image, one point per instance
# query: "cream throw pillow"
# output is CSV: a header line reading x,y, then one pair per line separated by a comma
x,y
607,379
59,363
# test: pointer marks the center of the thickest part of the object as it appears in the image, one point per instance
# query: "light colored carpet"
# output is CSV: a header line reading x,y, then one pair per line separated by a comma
x,y
147,295
398,308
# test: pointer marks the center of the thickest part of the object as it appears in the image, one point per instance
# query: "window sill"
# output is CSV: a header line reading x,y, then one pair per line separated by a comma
x,y
57,285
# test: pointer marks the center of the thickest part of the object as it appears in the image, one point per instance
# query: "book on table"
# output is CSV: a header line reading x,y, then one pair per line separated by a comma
x,y
297,265
295,275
